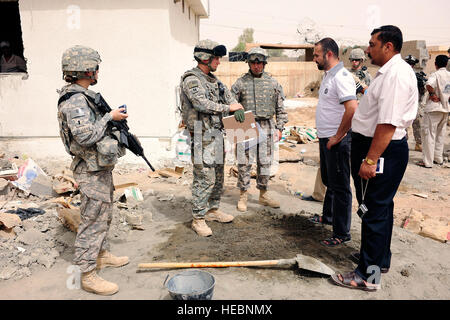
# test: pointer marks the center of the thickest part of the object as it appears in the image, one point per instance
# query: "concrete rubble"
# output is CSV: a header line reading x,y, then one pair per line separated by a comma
x,y
38,240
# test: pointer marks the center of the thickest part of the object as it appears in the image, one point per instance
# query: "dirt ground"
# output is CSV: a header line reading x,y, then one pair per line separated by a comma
x,y
420,268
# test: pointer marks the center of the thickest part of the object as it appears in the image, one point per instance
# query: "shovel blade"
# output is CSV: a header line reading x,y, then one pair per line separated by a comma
x,y
312,264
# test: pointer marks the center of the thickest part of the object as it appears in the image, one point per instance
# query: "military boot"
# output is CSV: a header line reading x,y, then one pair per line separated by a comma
x,y
91,282
418,147
266,201
107,259
200,226
217,215
242,203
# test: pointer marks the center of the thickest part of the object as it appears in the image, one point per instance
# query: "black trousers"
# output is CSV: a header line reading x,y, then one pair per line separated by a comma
x,y
335,170
377,224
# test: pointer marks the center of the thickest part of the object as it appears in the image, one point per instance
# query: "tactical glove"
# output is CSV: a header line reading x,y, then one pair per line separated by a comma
x,y
239,115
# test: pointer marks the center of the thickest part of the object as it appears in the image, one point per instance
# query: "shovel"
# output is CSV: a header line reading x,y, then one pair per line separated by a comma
x,y
302,262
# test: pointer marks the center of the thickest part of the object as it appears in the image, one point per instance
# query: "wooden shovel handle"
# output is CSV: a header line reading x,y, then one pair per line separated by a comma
x,y
170,265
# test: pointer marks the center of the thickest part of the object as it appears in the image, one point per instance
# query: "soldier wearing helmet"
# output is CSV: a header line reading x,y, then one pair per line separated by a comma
x,y
360,74
260,93
91,142
204,101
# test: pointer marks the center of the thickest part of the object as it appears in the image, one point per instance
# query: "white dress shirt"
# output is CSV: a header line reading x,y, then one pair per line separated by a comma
x,y
337,87
391,98
440,82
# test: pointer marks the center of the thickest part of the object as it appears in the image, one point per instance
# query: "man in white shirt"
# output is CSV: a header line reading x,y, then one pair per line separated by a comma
x,y
379,131
335,109
434,123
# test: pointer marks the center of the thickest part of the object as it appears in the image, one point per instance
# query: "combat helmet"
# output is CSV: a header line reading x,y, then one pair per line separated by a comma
x,y
207,49
257,54
411,60
357,54
78,60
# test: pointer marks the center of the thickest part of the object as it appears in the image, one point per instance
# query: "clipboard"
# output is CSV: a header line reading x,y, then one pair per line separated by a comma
x,y
248,132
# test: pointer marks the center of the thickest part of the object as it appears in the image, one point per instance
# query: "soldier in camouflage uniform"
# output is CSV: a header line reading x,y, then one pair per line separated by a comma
x,y
263,95
94,150
412,61
360,74
204,101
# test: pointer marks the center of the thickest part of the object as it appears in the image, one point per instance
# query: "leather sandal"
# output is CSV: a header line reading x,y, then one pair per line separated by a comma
x,y
334,241
318,220
350,279
422,164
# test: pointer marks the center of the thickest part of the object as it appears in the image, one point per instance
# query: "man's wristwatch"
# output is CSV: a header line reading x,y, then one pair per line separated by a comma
x,y
370,162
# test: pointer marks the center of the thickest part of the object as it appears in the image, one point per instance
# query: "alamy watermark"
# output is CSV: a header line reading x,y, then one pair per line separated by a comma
x,y
73,282
209,149
74,17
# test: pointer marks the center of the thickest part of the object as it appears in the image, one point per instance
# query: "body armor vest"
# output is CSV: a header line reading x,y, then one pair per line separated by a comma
x,y
259,95
214,93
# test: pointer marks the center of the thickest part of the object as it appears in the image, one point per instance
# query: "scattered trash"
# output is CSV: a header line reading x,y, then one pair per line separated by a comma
x,y
235,173
167,197
300,134
26,213
133,193
21,250
8,170
426,227
287,148
27,173
64,182
9,220
183,146
70,218
168,173
7,224
421,195
4,186
42,186
125,185
134,220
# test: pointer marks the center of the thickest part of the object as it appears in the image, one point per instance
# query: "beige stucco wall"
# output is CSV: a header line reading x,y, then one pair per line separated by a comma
x,y
145,46
293,76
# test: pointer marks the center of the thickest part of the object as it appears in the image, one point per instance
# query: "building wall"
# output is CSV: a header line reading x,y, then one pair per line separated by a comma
x,y
145,46
293,76
434,52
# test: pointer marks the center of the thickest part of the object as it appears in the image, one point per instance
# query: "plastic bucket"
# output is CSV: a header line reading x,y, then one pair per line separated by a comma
x,y
191,285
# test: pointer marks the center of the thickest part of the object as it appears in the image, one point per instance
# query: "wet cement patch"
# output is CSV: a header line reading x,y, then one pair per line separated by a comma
x,y
257,236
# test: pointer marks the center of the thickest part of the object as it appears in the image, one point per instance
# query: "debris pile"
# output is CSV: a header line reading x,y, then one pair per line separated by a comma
x,y
420,223
40,215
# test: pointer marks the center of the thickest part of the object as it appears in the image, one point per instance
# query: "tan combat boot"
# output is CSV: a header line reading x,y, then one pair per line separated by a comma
x,y
200,226
107,259
242,203
418,147
217,215
91,282
266,201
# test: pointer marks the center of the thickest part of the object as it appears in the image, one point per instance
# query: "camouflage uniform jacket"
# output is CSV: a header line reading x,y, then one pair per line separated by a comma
x,y
363,75
201,98
82,126
263,96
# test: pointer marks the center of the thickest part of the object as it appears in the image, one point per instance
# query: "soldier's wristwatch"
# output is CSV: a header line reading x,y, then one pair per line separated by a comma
x,y
370,162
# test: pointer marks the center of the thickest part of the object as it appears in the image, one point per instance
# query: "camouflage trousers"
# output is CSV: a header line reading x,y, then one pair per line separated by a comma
x,y
262,153
96,190
416,125
208,158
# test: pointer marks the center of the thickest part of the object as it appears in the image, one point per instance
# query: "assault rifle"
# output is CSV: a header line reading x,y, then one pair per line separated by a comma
x,y
421,80
129,140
